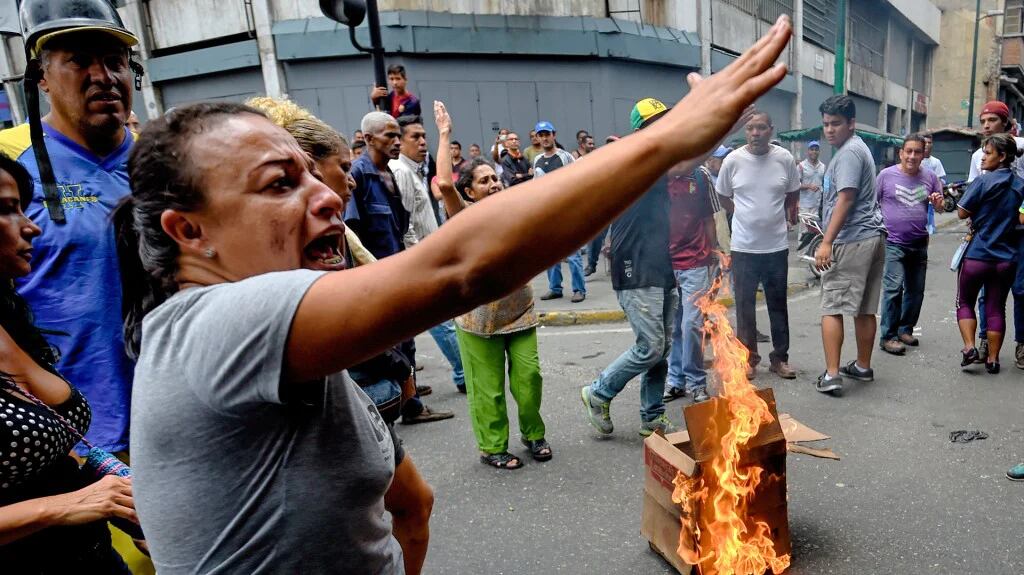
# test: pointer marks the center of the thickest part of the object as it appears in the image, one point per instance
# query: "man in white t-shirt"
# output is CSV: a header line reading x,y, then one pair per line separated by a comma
x,y
934,164
812,177
995,119
930,162
762,183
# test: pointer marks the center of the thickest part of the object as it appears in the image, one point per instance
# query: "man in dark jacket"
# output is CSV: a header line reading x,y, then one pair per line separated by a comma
x,y
516,169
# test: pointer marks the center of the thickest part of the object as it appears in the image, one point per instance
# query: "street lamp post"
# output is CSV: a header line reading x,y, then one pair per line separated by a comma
x,y
974,58
351,14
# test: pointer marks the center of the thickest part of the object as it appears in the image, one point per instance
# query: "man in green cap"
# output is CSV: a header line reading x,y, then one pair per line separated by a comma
x,y
645,286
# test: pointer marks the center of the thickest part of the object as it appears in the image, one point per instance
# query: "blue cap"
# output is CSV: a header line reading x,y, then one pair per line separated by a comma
x,y
813,144
544,126
721,152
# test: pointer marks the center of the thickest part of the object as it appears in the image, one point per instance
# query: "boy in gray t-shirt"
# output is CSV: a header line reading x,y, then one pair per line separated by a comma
x,y
852,251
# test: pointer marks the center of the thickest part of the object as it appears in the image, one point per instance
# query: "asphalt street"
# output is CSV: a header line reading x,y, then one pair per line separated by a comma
x,y
903,499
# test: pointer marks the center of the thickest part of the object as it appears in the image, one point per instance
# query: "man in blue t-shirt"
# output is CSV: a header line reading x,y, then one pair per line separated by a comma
x,y
74,289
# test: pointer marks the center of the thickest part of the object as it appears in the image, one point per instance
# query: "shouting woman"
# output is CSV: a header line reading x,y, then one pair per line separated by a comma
x,y
253,450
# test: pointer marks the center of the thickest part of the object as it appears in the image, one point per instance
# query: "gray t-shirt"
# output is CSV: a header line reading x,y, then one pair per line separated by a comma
x,y
231,477
852,167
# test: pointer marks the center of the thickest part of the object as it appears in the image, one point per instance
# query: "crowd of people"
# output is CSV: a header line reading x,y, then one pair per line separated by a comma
x,y
240,287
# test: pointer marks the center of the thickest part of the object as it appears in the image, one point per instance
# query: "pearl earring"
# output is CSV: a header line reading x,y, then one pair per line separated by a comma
x,y
210,253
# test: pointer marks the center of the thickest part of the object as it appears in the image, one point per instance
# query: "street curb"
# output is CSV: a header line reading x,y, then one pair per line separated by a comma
x,y
563,318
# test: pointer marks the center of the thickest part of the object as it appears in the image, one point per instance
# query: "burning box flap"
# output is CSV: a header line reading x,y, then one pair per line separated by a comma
x,y
664,459
708,421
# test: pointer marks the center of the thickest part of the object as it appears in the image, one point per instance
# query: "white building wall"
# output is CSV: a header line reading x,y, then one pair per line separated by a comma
x,y
177,22
818,63
923,14
736,30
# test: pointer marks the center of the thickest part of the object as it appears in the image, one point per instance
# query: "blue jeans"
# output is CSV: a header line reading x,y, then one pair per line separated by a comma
x,y
1018,310
1017,291
902,289
444,336
686,359
575,269
650,312
594,249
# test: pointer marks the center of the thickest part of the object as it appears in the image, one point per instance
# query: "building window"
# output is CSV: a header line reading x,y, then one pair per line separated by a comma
x,y
820,23
868,22
1013,23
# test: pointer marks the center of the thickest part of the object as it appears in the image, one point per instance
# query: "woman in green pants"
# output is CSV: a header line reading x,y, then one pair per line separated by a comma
x,y
490,333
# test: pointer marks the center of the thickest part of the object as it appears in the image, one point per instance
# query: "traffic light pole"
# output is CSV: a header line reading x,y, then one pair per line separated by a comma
x,y
351,14
376,44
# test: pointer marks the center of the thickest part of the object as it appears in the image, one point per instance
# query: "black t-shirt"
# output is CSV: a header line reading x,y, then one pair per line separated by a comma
x,y
639,239
548,163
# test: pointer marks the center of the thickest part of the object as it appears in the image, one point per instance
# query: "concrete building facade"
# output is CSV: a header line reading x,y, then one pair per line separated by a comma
x,y
580,64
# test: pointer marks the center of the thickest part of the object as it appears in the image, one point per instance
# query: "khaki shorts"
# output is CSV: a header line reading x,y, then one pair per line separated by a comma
x,y
853,284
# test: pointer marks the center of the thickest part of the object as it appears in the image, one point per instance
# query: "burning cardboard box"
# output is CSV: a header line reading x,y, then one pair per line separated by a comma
x,y
699,508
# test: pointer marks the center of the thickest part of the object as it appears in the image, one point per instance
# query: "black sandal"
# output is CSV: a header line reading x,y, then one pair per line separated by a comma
x,y
501,460
537,448
970,356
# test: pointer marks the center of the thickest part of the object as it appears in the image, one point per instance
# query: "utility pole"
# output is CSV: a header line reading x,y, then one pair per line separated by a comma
x,y
840,67
974,66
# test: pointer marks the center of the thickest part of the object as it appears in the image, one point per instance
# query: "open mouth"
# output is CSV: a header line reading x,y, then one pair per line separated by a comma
x,y
325,252
106,98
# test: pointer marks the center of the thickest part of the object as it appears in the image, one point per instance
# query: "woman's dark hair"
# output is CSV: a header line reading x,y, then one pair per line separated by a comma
x,y
15,315
21,177
465,180
839,105
16,319
1003,144
163,177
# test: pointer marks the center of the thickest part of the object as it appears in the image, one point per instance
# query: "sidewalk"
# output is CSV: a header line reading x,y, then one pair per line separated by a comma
x,y
601,306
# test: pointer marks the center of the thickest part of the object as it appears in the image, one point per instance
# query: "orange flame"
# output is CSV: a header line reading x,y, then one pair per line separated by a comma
x,y
729,547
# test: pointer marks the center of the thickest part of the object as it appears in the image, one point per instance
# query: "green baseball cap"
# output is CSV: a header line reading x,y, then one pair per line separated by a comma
x,y
646,111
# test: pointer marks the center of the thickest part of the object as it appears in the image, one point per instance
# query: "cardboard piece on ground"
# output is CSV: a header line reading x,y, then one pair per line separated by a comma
x,y
797,433
822,453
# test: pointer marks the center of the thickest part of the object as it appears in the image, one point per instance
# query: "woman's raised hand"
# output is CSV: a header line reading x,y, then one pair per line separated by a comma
x,y
441,118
